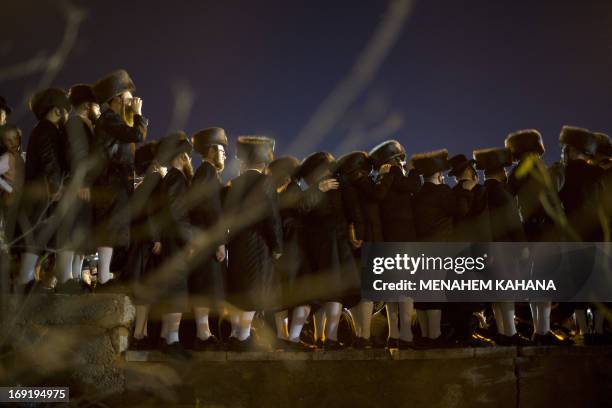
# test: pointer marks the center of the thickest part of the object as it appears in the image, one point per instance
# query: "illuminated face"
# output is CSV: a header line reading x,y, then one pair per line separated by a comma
x,y
216,155
2,117
12,141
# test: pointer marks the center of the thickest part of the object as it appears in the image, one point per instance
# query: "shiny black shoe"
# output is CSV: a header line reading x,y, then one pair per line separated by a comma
x,y
361,344
392,343
297,346
477,340
212,343
405,345
34,287
249,344
318,344
332,345
521,341
551,339
176,351
72,287
113,286
140,344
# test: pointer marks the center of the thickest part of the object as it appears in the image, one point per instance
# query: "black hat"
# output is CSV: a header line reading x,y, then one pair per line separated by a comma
x,y
580,139
144,156
43,101
285,166
4,106
524,141
458,164
172,145
80,94
387,151
255,149
494,158
431,162
604,146
208,137
315,164
354,161
112,85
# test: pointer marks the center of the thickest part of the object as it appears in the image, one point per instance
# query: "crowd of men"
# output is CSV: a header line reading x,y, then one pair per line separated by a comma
x,y
285,235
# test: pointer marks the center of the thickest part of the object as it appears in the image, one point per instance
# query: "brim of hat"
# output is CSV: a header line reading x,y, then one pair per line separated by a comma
x,y
456,171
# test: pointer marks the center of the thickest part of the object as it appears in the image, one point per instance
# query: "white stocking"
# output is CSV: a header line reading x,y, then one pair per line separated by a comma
x,y
63,266
393,320
298,318
406,310
201,320
28,267
105,255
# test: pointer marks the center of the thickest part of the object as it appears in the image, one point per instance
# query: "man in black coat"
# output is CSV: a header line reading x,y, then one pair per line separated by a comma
x,y
207,279
505,226
527,149
581,195
120,125
397,191
45,172
436,206
472,227
255,241
75,231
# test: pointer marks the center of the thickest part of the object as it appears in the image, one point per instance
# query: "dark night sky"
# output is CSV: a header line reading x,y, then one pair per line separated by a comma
x,y
462,74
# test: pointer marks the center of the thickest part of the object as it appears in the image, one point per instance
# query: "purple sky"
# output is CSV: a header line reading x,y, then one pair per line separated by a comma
x,y
462,75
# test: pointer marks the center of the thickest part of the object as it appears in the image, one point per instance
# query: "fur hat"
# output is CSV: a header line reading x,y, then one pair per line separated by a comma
x,y
387,151
42,102
80,94
494,158
204,138
458,163
172,145
112,85
431,162
144,156
255,149
525,141
4,106
580,139
604,146
285,166
315,164
354,161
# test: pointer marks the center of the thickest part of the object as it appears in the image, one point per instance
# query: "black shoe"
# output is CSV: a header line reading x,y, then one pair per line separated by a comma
x,y
332,345
405,345
551,339
392,343
35,287
72,287
476,340
361,343
140,344
297,346
248,344
212,343
516,340
113,286
176,351
319,344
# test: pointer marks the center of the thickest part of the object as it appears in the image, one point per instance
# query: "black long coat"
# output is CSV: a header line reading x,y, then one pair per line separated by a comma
x,y
504,215
326,228
176,234
251,204
146,210
368,195
581,196
45,173
115,179
396,206
207,277
474,226
76,229
293,268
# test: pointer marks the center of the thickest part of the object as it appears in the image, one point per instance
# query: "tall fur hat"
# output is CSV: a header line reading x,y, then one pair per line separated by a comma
x,y
144,156
354,161
172,145
113,84
204,138
80,94
4,106
580,139
284,166
494,158
387,151
43,101
604,146
525,141
431,162
315,164
458,163
255,149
